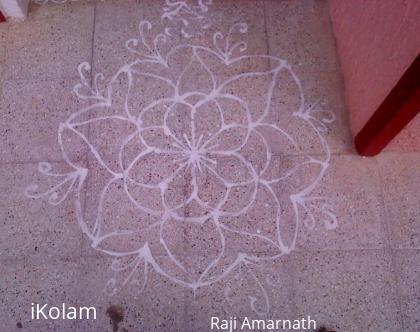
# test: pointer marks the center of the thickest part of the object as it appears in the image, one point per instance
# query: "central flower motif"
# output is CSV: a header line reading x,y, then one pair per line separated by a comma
x,y
191,140
194,154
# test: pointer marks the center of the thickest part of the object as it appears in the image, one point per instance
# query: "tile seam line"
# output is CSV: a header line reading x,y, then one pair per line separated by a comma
x,y
264,5
32,162
335,154
346,116
91,82
33,260
318,154
10,259
4,70
341,250
348,250
398,288
47,78
296,251
385,222
406,249
86,154
186,304
390,250
293,273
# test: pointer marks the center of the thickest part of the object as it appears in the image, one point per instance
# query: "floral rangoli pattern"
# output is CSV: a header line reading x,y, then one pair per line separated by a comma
x,y
201,144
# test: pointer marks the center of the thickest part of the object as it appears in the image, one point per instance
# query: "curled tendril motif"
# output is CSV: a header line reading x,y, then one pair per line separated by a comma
x,y
91,90
216,142
183,12
152,52
228,49
59,192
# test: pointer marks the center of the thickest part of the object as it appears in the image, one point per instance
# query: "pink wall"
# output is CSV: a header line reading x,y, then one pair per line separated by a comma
x,y
377,40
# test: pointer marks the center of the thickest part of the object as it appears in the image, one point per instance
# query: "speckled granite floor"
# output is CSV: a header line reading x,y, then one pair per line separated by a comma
x,y
193,165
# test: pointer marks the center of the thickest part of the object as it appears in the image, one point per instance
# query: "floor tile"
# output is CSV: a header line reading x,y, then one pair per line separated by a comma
x,y
32,114
313,59
157,305
345,290
155,246
123,216
225,15
51,282
350,191
307,26
400,175
255,291
116,22
407,266
33,228
39,50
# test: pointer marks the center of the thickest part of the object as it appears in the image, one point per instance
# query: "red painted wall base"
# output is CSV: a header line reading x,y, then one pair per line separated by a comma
x,y
2,18
396,111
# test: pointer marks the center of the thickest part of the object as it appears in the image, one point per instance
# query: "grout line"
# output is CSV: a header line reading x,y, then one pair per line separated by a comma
x,y
335,154
320,251
186,290
34,259
86,185
92,51
406,249
28,79
36,161
82,257
293,274
398,152
397,287
390,250
268,51
4,66
385,222
332,250
345,116
265,28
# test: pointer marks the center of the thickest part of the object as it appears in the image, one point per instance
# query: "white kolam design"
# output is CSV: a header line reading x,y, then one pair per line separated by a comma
x,y
178,14
183,13
200,145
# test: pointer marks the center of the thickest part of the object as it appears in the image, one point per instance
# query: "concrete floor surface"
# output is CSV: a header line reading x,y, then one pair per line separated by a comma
x,y
183,160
